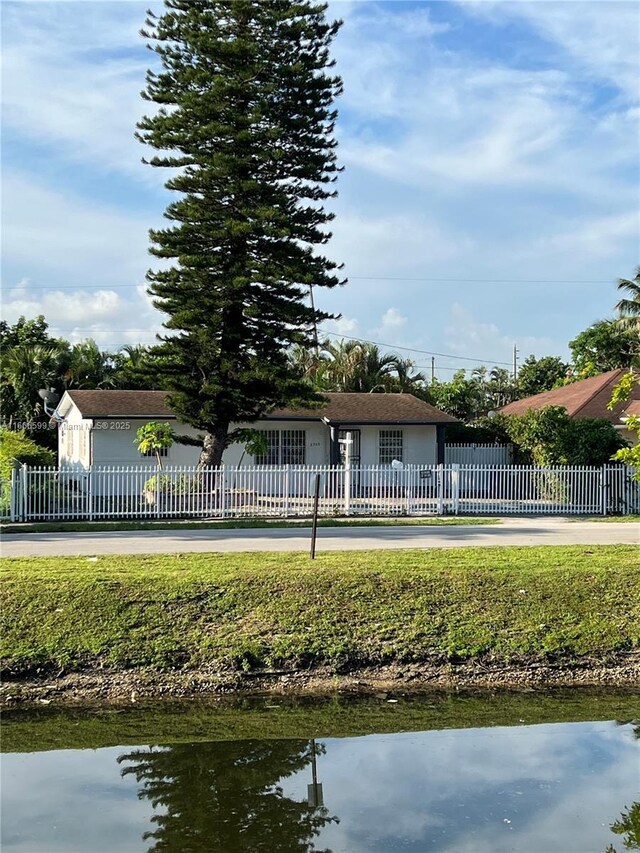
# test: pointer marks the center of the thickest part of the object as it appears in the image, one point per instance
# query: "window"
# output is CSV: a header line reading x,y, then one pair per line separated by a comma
x,y
284,447
389,446
163,452
83,442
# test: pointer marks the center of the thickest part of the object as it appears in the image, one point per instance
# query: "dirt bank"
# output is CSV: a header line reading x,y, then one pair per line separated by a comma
x,y
107,687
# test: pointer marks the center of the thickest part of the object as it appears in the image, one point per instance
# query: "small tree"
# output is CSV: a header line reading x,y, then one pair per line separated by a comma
x,y
255,443
155,437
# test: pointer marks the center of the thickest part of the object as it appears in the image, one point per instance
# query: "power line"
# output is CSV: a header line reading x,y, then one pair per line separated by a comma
x,y
330,334
89,287
485,280
420,351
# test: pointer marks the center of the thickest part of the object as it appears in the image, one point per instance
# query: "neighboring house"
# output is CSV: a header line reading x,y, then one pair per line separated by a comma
x,y
99,428
588,398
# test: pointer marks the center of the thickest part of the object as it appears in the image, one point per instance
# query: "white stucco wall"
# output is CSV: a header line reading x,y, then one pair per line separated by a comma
x,y
74,441
111,442
316,442
419,444
114,444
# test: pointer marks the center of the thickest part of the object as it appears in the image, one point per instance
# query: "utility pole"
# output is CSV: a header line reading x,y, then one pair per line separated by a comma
x,y
315,325
433,369
515,361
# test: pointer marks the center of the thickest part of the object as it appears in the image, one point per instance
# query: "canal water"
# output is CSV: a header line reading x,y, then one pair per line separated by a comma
x,y
484,774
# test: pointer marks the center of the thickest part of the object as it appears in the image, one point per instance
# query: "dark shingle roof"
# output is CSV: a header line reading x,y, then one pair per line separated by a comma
x,y
121,404
344,408
340,408
585,399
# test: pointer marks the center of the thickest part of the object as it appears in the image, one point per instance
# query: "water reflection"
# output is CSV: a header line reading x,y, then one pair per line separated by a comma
x,y
628,826
228,796
547,788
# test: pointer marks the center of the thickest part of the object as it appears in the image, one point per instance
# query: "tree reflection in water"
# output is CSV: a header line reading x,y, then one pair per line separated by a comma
x,y
628,826
224,797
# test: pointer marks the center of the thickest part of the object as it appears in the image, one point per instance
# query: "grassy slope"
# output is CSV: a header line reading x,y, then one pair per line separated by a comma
x,y
51,728
248,611
235,524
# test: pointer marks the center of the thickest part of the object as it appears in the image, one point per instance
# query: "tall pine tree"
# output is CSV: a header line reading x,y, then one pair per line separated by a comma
x,y
245,120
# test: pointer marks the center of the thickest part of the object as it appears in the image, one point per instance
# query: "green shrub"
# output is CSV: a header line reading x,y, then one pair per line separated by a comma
x,y
15,447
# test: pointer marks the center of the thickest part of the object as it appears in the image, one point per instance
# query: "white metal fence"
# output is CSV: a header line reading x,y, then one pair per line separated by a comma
x,y
478,454
42,494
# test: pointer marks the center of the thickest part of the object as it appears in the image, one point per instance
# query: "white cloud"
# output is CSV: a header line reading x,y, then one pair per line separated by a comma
x,y
111,318
602,38
342,326
59,88
453,120
369,243
393,319
601,236
56,233
87,264
464,335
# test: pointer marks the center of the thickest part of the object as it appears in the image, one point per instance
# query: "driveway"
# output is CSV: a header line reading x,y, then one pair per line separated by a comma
x,y
512,531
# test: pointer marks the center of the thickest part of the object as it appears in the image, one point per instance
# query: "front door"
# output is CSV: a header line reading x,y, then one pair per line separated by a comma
x,y
355,447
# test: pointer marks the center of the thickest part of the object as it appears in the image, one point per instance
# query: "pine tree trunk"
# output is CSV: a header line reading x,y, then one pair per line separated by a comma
x,y
213,447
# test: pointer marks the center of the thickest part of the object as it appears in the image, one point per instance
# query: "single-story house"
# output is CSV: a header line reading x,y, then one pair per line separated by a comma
x,y
588,398
98,428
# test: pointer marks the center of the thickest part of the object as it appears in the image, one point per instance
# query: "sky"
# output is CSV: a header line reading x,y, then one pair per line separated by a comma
x,y
489,198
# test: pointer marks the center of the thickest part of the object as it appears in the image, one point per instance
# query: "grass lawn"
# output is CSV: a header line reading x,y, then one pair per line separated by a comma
x,y
233,524
345,610
616,519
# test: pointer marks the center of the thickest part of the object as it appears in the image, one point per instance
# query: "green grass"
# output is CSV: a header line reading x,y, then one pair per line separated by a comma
x,y
40,729
233,524
616,519
245,612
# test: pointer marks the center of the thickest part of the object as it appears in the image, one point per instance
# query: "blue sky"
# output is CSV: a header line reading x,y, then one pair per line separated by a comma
x,y
490,195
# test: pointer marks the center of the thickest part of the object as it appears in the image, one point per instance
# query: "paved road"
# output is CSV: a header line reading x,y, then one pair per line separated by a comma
x,y
513,531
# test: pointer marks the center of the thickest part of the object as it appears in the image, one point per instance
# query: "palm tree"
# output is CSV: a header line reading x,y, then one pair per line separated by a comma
x,y
501,387
629,308
357,366
28,368
129,367
305,362
407,380
89,367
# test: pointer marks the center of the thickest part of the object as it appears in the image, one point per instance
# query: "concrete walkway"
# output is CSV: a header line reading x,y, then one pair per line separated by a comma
x,y
512,531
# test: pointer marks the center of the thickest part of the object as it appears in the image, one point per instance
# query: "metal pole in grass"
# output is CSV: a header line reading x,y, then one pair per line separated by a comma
x,y
314,524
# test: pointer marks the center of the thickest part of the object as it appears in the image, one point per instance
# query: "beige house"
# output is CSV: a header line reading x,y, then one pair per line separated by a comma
x,y
98,428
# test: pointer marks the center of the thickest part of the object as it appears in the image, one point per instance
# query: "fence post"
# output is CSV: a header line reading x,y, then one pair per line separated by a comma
x,y
158,475
440,476
286,491
455,487
347,485
221,480
90,494
604,484
13,495
23,485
